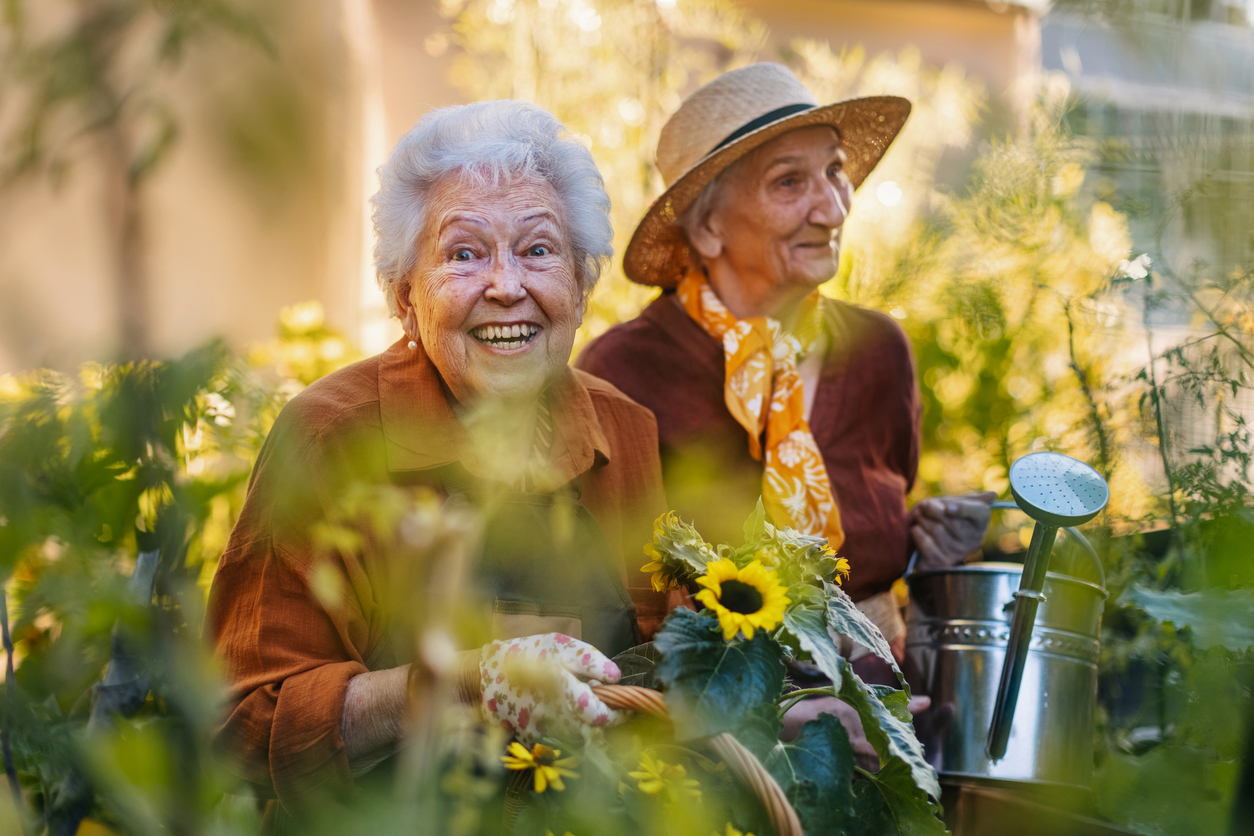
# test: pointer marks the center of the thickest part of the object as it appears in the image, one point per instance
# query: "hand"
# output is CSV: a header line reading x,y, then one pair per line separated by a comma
x,y
531,686
948,528
864,753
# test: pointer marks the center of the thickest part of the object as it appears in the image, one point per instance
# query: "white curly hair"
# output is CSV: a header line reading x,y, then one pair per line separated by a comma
x,y
492,142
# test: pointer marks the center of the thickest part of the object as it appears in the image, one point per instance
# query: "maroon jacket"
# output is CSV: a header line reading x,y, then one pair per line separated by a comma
x,y
865,420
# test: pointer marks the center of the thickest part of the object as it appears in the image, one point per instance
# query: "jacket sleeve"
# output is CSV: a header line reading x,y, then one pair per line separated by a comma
x,y
286,624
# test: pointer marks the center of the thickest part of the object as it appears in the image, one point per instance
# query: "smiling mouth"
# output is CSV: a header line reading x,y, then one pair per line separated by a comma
x,y
505,336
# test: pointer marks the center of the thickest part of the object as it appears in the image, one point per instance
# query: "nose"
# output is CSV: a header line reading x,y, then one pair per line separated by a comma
x,y
831,206
505,285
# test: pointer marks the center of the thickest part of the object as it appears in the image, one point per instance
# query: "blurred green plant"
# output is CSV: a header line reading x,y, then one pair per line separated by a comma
x,y
99,473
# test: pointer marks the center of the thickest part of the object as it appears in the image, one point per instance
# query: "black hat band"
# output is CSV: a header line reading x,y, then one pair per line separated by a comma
x,y
761,122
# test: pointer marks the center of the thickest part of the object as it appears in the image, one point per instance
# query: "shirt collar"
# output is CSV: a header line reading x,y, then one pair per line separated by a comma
x,y
421,431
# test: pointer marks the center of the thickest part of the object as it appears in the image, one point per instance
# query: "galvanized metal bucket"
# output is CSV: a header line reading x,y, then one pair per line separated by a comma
x,y
958,625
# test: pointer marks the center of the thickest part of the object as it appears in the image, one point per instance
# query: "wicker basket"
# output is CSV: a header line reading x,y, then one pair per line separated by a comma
x,y
740,760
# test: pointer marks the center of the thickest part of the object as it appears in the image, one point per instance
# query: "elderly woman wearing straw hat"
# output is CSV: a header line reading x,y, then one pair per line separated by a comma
x,y
760,385
493,227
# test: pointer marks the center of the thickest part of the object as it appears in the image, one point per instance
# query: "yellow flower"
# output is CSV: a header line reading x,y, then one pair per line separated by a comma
x,y
744,599
545,761
730,831
768,556
842,571
661,583
656,776
842,565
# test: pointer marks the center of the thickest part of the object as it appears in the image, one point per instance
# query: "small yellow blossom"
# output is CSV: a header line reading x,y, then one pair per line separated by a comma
x,y
656,776
549,765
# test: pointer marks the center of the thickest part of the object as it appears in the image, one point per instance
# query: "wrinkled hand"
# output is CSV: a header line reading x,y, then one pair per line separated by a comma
x,y
531,685
864,753
948,528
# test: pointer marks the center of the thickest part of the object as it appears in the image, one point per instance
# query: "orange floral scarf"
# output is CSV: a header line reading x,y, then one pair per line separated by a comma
x,y
764,394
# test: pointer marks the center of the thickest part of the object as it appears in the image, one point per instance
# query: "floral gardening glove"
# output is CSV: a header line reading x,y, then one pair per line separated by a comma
x,y
531,685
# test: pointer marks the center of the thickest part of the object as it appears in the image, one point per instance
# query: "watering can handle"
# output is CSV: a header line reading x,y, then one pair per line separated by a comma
x,y
1006,504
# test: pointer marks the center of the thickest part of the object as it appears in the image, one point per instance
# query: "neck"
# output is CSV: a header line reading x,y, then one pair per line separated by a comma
x,y
502,433
747,300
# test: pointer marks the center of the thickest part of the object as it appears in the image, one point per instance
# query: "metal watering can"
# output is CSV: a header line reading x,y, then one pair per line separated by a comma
x,y
1008,653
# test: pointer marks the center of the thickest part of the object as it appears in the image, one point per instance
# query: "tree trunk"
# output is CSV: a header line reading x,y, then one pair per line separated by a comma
x,y
124,211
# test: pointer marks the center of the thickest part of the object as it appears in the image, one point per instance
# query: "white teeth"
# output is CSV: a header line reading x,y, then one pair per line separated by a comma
x,y
506,336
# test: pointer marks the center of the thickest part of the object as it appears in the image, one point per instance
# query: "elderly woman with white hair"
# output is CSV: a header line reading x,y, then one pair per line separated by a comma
x,y
492,229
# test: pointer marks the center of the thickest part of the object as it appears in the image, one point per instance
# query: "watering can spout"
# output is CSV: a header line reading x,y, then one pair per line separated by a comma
x,y
1056,491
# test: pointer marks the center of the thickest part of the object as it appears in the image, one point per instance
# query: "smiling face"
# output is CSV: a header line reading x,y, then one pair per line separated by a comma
x,y
495,296
773,229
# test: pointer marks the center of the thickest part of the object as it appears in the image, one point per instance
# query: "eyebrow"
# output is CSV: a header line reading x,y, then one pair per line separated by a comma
x,y
476,220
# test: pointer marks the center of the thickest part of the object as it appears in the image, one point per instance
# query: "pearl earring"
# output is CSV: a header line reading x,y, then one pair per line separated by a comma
x,y
413,345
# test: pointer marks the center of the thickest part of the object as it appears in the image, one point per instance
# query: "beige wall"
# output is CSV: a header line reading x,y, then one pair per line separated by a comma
x,y
229,245
228,242
998,42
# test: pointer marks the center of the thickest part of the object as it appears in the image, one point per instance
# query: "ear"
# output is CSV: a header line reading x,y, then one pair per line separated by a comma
x,y
706,236
408,314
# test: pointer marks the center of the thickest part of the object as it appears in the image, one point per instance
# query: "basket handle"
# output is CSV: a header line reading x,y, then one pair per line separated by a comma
x,y
739,760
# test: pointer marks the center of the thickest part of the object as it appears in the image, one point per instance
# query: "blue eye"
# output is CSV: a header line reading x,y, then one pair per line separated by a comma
x,y
538,249
462,255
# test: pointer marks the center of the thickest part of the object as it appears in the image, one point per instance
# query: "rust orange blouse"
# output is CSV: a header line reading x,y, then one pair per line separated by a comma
x,y
386,419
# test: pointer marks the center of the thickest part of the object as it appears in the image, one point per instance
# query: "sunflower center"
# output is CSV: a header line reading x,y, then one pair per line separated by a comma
x,y
740,597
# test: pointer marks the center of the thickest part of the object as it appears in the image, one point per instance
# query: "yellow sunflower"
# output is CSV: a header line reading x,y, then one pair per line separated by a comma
x,y
661,583
657,776
744,599
549,765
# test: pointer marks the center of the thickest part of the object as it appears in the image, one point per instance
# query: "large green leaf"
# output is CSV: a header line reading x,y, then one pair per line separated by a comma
x,y
910,808
1214,616
870,812
711,684
892,737
816,771
885,718
810,630
845,618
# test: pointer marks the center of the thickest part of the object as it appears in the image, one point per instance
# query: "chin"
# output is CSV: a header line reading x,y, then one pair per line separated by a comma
x,y
514,385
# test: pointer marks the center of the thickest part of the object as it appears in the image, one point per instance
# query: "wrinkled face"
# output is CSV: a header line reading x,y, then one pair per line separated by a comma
x,y
779,211
496,295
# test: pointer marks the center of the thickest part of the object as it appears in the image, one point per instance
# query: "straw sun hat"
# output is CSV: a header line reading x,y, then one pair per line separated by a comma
x,y
725,120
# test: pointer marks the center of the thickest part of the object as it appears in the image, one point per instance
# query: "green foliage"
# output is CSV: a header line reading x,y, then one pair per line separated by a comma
x,y
712,685
1213,617
144,456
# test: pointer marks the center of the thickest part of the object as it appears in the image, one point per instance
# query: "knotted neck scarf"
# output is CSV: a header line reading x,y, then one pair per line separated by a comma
x,y
764,393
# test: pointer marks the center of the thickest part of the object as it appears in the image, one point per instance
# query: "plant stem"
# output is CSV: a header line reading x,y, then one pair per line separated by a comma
x,y
10,698
794,697
1103,443
1158,408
